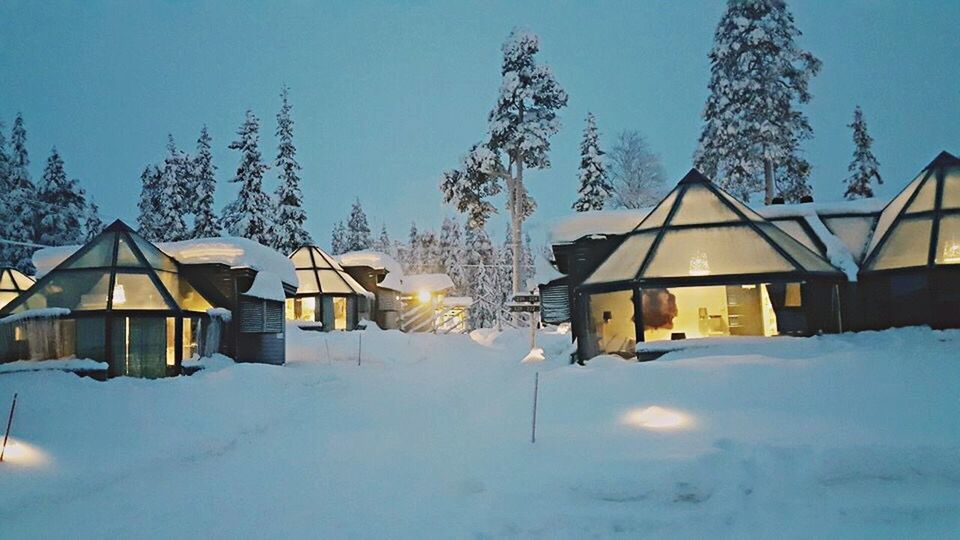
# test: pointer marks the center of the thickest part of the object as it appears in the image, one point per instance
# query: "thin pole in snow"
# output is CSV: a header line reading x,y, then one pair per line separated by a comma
x,y
359,347
326,343
536,387
6,435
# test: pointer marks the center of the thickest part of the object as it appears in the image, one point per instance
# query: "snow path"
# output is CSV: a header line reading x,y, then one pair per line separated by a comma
x,y
429,437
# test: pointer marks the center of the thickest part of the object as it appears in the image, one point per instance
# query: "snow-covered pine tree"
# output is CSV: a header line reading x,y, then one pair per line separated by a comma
x,y
430,253
637,175
173,198
480,272
338,239
206,222
291,233
452,253
22,206
6,204
520,127
383,243
92,223
147,224
358,231
864,166
752,126
251,214
411,257
62,205
595,189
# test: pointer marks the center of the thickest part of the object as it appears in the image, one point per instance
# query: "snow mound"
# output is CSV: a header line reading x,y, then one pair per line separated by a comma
x,y
267,286
68,364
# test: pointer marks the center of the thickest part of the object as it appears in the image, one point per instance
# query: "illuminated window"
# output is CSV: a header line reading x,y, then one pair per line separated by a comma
x,y
339,313
698,312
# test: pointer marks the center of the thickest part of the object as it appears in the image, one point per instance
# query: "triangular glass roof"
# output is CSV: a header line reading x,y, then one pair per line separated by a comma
x,y
699,232
920,227
319,273
117,270
13,280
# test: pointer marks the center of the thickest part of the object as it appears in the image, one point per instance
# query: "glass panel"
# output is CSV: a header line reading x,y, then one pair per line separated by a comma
x,y
798,233
926,197
807,259
726,250
747,211
656,218
852,231
139,346
7,297
191,337
171,341
137,291
301,309
698,312
611,324
308,282
99,255
6,281
624,263
907,246
75,290
301,258
892,210
332,282
22,281
700,205
322,260
125,256
187,297
948,243
339,313
153,255
951,188
91,338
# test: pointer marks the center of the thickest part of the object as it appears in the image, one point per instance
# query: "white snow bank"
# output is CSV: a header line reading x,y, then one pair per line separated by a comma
x,y
42,313
68,364
373,259
215,362
266,286
234,252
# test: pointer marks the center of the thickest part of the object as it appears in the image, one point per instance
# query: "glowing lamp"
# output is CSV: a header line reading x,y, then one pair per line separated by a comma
x,y
699,264
656,418
423,296
119,295
951,252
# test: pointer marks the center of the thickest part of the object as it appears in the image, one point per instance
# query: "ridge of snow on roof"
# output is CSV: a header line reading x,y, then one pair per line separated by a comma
x,y
266,286
572,227
425,282
860,207
373,259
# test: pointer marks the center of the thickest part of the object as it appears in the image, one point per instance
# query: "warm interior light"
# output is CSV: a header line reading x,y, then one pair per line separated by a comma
x,y
951,252
423,296
119,295
699,264
657,418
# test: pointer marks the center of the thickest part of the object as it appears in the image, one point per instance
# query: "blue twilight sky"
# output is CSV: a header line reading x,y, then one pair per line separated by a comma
x,y
388,94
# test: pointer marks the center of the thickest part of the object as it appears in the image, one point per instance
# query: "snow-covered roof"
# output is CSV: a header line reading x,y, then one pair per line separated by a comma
x,y
228,250
266,286
857,207
577,225
424,282
373,259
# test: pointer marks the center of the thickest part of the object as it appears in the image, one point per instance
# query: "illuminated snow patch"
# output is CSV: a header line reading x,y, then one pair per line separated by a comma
x,y
19,453
657,418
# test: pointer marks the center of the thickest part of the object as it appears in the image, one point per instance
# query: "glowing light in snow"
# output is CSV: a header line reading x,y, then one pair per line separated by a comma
x,y
423,296
119,295
657,418
22,454
699,264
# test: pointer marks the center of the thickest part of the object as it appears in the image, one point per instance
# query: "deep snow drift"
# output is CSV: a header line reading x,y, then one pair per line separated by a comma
x,y
429,436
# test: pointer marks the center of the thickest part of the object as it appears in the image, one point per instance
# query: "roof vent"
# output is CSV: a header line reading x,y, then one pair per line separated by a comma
x,y
776,200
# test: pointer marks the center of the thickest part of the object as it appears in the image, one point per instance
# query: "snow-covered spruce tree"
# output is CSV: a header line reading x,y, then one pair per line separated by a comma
x,y
338,239
206,222
291,233
358,231
637,175
520,127
22,206
173,197
6,203
251,214
752,126
480,272
452,253
430,253
62,205
92,223
595,189
147,224
864,166
383,243
411,257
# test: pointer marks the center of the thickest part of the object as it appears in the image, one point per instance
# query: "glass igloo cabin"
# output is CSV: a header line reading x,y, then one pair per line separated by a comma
x,y
703,264
327,293
911,273
12,284
118,299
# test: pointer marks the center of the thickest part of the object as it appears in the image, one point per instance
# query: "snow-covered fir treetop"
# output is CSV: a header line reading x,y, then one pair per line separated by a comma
x,y
266,286
371,259
227,250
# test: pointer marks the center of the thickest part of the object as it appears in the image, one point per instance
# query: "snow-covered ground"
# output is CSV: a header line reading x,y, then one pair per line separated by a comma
x,y
852,435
